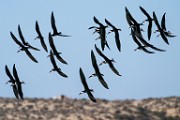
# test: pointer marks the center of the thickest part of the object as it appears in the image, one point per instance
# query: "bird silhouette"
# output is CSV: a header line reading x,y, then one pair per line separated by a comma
x,y
55,31
18,82
40,37
144,42
12,81
97,71
54,50
140,46
102,33
163,26
23,48
160,29
149,19
24,42
85,85
116,33
108,61
55,67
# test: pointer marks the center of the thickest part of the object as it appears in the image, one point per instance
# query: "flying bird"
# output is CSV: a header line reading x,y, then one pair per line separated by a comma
x,y
86,88
144,42
18,82
160,29
23,48
24,42
55,67
97,71
140,46
115,30
102,33
149,19
55,31
54,50
12,81
108,61
163,26
40,37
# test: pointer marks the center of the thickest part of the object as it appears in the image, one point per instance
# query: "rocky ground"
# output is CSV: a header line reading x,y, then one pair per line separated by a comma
x,y
64,108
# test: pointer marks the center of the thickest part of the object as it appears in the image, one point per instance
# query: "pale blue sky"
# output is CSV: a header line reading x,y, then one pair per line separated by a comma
x,y
143,75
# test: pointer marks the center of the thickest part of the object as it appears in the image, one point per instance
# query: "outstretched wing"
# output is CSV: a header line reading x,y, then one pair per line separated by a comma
x,y
53,24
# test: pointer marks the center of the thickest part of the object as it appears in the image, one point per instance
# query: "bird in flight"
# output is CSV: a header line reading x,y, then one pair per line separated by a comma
x,y
97,71
24,42
116,33
160,29
55,31
23,48
149,19
12,81
18,82
85,85
54,50
40,37
55,67
163,26
108,61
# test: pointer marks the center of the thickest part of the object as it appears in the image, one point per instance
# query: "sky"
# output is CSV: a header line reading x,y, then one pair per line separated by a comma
x,y
143,75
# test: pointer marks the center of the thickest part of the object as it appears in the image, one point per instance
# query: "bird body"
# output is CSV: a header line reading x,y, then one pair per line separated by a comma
x,y
40,37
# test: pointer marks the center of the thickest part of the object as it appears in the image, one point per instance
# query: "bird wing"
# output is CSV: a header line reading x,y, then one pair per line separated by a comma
x,y
118,43
113,68
9,74
21,35
101,54
53,60
163,22
53,24
128,17
16,40
61,73
108,23
37,29
15,91
145,13
30,55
